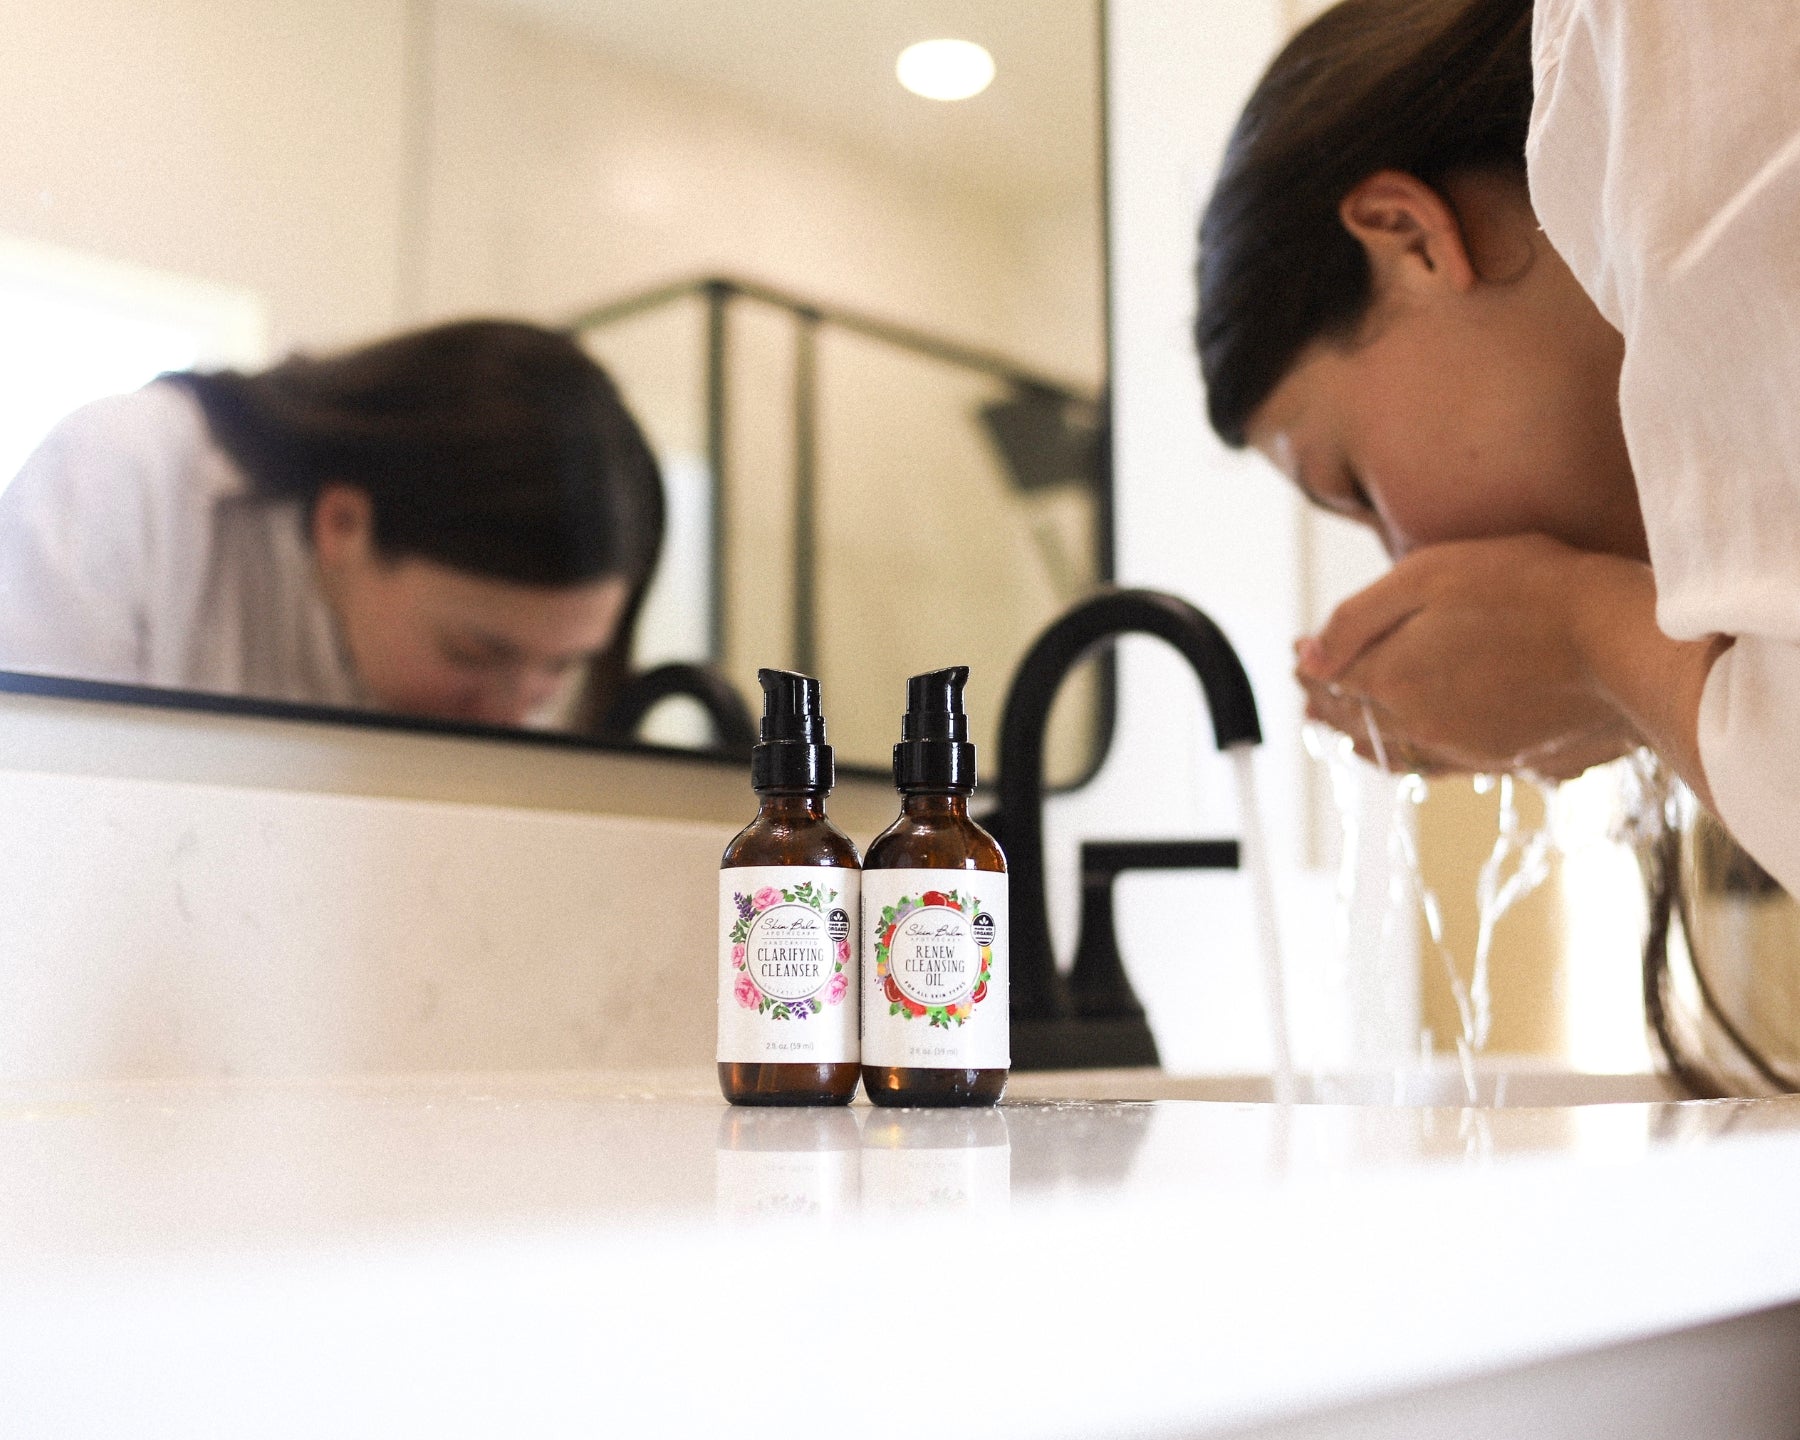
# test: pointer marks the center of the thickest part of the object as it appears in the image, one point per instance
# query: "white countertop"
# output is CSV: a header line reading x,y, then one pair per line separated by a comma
x,y
589,1254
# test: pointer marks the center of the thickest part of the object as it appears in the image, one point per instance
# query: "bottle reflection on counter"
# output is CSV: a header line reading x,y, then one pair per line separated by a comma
x,y
785,1164
936,1163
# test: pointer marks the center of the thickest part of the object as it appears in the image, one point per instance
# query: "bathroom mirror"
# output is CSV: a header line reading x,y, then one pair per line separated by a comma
x,y
862,329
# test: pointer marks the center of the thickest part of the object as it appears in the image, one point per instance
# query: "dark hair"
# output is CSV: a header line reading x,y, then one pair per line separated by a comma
x,y
491,446
1427,87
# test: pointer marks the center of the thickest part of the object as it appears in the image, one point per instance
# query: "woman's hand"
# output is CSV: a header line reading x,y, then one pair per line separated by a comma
x,y
1511,654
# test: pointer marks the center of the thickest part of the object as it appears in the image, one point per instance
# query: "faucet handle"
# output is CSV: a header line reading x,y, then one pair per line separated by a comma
x,y
1100,1022
1098,986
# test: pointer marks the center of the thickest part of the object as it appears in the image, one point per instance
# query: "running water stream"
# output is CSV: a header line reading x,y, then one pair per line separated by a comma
x,y
1518,863
1255,859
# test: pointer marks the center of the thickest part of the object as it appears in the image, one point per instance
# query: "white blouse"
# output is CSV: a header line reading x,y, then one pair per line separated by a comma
x,y
133,549
1664,159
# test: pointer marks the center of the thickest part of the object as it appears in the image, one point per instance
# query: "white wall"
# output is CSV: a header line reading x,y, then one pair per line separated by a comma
x,y
282,148
157,929
560,177
224,895
256,144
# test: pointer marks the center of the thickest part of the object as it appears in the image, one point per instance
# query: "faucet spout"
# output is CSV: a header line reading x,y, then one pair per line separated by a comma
x,y
1038,992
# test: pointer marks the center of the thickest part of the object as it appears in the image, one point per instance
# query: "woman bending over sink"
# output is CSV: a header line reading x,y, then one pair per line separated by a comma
x,y
456,523
1518,287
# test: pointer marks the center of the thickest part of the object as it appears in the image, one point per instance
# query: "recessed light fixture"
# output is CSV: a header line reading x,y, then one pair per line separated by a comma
x,y
945,69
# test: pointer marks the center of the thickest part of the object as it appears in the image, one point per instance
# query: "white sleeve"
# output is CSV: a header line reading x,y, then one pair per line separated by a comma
x,y
1665,167
73,541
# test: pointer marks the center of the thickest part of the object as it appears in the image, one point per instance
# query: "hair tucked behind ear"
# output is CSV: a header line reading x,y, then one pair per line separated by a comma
x,y
1428,87
491,446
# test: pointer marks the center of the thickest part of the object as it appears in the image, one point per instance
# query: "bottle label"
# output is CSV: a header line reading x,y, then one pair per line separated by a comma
x,y
934,947
787,982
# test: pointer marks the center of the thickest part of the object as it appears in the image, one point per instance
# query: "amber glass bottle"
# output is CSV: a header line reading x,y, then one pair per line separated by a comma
x,y
789,897
934,934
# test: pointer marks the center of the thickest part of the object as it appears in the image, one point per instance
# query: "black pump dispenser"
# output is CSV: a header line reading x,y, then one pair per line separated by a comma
x,y
934,752
792,755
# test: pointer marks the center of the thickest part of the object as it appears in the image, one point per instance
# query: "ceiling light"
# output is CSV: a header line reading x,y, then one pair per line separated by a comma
x,y
945,69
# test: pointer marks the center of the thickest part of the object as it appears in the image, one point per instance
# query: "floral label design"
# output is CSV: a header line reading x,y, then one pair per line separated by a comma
x,y
928,960
787,980
788,965
934,969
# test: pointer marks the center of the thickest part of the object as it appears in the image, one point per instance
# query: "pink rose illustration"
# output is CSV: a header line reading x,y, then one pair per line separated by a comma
x,y
843,952
737,956
766,897
837,987
746,992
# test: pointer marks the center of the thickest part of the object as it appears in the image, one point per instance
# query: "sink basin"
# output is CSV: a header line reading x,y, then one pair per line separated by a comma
x,y
1515,1081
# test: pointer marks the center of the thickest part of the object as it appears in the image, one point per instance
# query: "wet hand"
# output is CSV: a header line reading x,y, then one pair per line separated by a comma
x,y
1473,656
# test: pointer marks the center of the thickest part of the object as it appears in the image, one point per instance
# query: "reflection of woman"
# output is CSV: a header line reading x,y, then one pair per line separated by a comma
x,y
1579,442
452,523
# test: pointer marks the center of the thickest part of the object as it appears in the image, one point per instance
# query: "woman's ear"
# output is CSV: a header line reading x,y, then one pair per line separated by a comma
x,y
343,525
1409,231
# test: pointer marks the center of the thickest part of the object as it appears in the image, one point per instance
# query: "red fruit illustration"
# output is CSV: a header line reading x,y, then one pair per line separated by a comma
x,y
934,897
913,1007
893,991
887,938
980,994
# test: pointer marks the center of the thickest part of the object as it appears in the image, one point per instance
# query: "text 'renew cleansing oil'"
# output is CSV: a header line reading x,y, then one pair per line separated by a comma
x,y
934,940
789,891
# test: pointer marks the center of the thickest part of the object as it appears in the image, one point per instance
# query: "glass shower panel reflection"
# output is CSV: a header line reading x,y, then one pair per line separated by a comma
x,y
860,501
932,550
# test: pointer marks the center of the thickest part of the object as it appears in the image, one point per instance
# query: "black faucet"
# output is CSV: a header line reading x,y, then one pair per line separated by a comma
x,y
1093,1019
